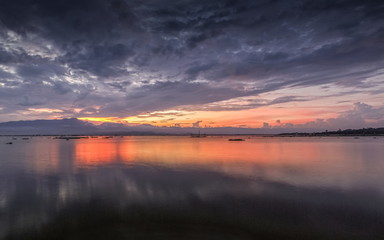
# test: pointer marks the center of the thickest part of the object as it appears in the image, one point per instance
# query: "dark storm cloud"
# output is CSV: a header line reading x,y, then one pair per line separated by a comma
x,y
14,56
163,54
5,75
28,102
88,32
164,95
41,71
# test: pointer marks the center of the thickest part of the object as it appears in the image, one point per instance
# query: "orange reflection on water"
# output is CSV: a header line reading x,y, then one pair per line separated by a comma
x,y
285,159
187,151
318,161
96,152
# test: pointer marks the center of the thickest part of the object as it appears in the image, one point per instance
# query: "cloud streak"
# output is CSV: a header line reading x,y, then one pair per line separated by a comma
x,y
124,58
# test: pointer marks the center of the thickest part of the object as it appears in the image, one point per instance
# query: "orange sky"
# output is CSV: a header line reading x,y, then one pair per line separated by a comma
x,y
230,112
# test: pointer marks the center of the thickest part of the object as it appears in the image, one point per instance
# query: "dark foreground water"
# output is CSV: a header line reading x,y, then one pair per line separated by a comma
x,y
192,188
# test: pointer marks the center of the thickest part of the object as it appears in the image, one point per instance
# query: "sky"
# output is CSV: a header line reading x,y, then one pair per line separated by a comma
x,y
194,63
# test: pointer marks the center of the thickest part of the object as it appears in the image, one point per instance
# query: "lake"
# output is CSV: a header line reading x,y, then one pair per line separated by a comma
x,y
138,187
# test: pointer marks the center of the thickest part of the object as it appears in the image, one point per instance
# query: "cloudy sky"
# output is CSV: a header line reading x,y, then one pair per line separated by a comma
x,y
249,63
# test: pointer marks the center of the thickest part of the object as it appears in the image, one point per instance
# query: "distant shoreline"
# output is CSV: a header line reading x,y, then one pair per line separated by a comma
x,y
82,136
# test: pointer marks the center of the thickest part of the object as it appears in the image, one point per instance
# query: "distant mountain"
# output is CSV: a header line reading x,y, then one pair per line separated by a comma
x,y
74,126
61,126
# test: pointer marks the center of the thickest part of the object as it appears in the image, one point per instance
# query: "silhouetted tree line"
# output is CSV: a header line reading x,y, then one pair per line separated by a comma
x,y
346,132
363,131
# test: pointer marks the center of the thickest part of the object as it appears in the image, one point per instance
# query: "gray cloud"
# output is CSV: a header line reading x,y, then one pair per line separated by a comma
x,y
244,103
360,115
154,55
161,114
28,102
196,124
164,95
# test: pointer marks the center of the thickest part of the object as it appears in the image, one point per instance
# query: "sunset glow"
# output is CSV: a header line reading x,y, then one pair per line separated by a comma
x,y
99,120
202,65
191,119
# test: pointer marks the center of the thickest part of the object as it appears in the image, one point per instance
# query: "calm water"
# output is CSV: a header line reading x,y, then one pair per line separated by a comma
x,y
192,188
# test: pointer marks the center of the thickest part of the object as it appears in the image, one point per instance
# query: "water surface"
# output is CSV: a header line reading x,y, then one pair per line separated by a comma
x,y
192,188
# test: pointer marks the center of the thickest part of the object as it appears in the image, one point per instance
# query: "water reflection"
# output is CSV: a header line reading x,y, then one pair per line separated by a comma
x,y
173,187
298,161
92,153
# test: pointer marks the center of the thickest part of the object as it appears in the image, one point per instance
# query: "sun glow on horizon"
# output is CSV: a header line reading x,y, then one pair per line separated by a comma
x,y
248,118
101,120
